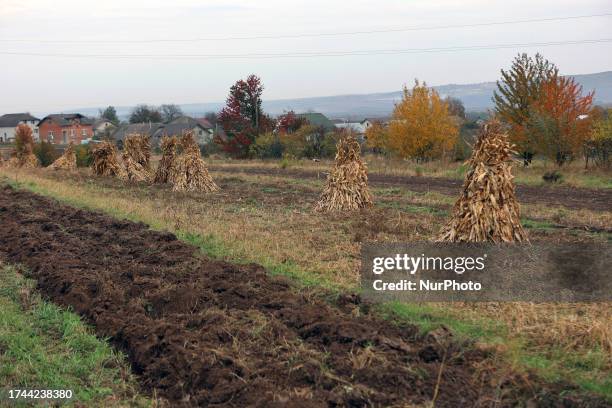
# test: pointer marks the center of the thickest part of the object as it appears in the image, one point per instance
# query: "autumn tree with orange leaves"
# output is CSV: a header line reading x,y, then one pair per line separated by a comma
x,y
560,119
377,137
422,127
516,91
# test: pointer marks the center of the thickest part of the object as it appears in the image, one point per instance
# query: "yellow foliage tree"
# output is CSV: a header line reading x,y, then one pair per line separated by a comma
x,y
422,127
377,137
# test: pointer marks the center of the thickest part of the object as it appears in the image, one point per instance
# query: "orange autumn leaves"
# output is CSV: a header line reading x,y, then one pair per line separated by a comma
x,y
560,122
421,127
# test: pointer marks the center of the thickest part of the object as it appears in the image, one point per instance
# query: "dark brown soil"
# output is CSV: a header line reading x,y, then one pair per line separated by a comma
x,y
569,197
200,332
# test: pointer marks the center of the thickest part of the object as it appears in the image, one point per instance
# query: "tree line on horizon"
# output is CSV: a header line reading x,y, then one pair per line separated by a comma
x,y
544,113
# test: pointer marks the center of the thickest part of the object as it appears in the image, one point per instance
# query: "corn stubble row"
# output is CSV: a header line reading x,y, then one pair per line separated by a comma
x,y
186,171
486,211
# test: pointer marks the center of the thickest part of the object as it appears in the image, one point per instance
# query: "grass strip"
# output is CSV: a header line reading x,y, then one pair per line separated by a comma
x,y
43,346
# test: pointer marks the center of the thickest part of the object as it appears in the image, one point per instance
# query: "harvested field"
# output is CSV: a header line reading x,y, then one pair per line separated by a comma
x,y
209,333
569,197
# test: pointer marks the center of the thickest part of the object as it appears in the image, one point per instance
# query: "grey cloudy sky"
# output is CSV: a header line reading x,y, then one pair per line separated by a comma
x,y
87,28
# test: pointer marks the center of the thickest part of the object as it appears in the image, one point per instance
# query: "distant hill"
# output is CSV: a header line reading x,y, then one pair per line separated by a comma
x,y
475,97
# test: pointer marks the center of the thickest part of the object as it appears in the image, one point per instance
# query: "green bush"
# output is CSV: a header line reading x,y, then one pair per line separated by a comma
x,y
210,148
46,153
267,146
83,155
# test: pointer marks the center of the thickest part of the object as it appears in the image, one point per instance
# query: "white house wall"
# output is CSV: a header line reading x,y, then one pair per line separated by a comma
x,y
7,134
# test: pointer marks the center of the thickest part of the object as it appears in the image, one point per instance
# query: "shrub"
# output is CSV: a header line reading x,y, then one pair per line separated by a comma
x,y
267,146
552,177
83,155
210,148
46,153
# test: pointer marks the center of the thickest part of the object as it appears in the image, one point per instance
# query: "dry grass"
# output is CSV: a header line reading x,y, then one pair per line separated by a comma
x,y
66,161
346,188
487,210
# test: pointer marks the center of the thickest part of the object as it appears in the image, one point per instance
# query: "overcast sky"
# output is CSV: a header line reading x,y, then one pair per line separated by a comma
x,y
89,28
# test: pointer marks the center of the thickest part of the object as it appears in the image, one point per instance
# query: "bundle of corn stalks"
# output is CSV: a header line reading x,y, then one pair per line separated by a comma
x,y
347,185
487,210
23,155
168,147
66,161
24,159
189,172
106,160
136,158
138,147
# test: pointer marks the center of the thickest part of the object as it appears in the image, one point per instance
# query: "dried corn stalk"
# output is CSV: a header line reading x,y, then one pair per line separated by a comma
x,y
66,161
138,147
106,160
487,210
168,147
24,159
137,158
347,185
189,172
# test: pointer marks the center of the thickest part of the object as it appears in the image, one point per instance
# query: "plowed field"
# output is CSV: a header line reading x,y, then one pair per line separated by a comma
x,y
200,332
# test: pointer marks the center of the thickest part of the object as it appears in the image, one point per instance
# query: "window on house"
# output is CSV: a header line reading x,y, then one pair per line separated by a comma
x,y
84,132
50,136
64,136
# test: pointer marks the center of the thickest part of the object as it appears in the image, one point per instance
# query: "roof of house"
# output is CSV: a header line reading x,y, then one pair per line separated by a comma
x,y
13,119
65,119
99,122
157,130
140,128
318,119
175,129
355,126
205,122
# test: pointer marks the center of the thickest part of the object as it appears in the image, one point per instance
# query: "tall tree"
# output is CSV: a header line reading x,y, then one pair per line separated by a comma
x,y
422,127
455,106
110,114
289,122
377,137
242,118
517,89
560,119
145,113
170,112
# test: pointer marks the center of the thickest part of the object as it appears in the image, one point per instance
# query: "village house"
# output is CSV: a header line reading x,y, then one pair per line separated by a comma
x,y
103,127
318,120
10,121
63,128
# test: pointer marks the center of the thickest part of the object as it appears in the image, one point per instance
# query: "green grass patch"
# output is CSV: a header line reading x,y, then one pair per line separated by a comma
x,y
43,346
